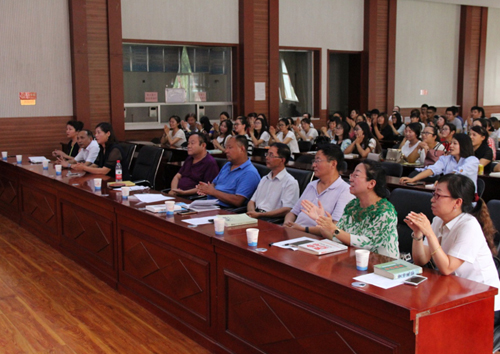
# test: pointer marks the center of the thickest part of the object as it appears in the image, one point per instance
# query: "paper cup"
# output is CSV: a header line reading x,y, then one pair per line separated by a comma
x,y
362,257
19,159
170,206
97,183
125,192
4,155
45,164
252,237
219,226
58,170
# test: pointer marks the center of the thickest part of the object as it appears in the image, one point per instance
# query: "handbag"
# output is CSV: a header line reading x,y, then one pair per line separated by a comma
x,y
373,156
394,155
432,156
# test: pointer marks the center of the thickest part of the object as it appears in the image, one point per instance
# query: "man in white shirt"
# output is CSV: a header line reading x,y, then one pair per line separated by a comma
x,y
87,154
278,191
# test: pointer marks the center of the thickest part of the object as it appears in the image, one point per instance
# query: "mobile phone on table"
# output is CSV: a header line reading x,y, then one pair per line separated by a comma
x,y
415,280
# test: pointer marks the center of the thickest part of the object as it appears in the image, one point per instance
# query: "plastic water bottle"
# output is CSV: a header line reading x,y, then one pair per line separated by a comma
x,y
118,171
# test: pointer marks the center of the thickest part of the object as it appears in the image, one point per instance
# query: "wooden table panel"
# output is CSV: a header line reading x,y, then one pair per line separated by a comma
x,y
9,198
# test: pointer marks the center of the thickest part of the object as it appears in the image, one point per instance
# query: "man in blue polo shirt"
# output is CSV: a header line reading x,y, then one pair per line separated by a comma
x,y
237,180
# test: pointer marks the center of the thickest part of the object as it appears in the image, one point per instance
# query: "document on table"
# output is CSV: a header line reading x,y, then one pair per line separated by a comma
x,y
294,243
152,198
37,159
200,221
379,281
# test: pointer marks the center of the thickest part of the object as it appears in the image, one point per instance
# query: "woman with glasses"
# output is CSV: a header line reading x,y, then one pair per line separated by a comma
x,y
369,221
364,142
285,135
329,131
448,131
461,160
341,138
259,135
460,239
430,148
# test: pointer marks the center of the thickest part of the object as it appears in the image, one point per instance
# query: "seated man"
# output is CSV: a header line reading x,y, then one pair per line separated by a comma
x,y
240,127
237,180
278,191
199,166
87,154
330,189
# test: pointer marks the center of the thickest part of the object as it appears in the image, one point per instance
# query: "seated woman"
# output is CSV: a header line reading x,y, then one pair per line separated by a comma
x,y
409,145
259,135
306,132
110,152
364,142
222,117
225,130
461,160
396,124
285,135
369,221
486,124
482,151
342,131
206,128
440,123
329,131
430,148
448,131
174,136
382,130
460,239
73,127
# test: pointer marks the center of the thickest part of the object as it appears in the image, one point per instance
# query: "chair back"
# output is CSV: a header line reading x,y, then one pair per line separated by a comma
x,y
392,169
262,169
304,145
494,209
147,164
220,162
481,185
343,167
306,158
302,176
128,150
404,201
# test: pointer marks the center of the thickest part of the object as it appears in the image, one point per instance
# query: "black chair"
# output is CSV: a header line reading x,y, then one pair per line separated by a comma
x,y
392,169
481,185
343,167
146,166
406,200
302,176
306,158
128,151
220,162
494,209
304,146
262,169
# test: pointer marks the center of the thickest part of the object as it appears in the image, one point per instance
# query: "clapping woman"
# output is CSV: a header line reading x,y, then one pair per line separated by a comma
x,y
460,239
364,142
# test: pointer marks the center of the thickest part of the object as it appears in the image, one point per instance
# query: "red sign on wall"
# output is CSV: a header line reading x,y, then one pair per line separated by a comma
x,y
27,98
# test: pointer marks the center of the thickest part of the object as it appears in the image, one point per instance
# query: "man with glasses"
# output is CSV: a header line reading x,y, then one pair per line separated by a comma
x,y
451,117
329,188
240,127
278,191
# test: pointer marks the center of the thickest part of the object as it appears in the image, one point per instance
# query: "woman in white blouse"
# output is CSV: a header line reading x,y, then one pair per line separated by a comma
x,y
173,136
410,143
259,135
285,135
430,148
225,130
460,239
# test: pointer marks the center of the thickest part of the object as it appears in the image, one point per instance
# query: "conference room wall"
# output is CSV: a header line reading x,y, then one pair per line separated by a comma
x,y
492,64
35,58
325,24
214,21
427,55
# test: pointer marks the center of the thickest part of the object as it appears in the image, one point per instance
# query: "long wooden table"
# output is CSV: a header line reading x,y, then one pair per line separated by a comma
x,y
230,297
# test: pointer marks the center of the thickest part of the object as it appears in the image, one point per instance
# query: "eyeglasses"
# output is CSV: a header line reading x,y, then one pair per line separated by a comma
x,y
281,125
426,133
317,161
357,129
236,124
355,175
436,196
271,156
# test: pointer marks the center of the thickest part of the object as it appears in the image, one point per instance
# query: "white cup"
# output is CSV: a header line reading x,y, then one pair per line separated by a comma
x,y
58,170
45,164
252,237
19,159
219,226
4,155
97,183
125,192
362,257
170,206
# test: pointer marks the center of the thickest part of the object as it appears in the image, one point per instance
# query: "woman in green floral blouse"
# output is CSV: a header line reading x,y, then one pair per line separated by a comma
x,y
369,221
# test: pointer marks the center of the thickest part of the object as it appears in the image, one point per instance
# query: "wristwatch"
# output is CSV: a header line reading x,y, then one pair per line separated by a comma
x,y
336,233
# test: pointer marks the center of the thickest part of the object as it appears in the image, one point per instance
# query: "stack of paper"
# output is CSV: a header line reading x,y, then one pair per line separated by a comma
x,y
237,220
37,159
204,205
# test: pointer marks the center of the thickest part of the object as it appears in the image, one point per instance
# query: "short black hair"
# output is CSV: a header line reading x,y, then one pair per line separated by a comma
x,y
76,124
425,105
452,109
375,172
201,137
479,109
466,149
243,121
333,152
241,140
432,108
306,120
416,127
375,111
89,133
308,115
189,115
283,151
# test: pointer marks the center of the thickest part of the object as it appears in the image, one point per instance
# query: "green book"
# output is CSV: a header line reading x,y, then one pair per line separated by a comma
x,y
397,269
237,220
